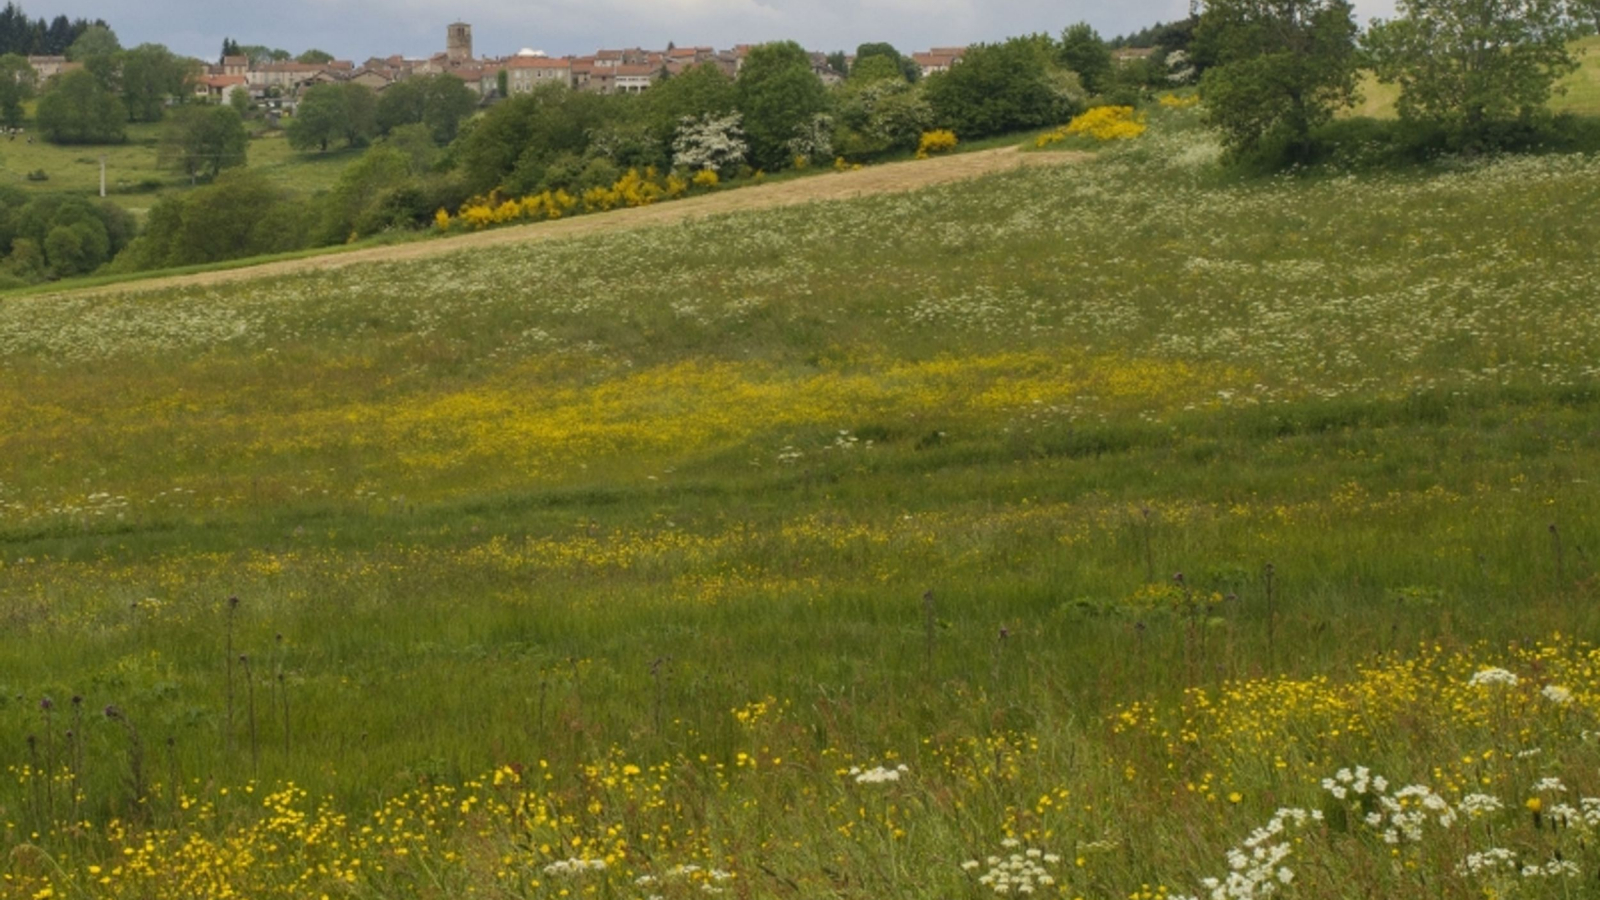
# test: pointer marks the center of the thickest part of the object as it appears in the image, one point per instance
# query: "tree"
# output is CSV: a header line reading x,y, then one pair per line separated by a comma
x,y
314,57
355,204
260,54
201,141
78,109
1472,64
876,68
881,115
518,139
230,47
438,101
777,92
709,141
1279,68
329,112
1084,52
838,63
997,88
908,67
16,85
698,91
150,75
241,214
97,48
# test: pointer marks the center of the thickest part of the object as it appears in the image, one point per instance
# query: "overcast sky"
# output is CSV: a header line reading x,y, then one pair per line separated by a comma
x,y
358,29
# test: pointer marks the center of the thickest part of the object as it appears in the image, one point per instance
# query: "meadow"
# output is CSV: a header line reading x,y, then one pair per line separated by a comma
x,y
1126,529
135,178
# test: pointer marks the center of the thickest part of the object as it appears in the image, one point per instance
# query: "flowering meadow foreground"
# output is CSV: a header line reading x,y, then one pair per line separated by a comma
x,y
1121,530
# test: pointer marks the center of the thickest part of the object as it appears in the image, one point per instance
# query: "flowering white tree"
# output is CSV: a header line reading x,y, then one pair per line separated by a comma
x,y
709,142
813,138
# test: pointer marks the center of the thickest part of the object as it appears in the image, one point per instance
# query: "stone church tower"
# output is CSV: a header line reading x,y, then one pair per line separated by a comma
x,y
458,43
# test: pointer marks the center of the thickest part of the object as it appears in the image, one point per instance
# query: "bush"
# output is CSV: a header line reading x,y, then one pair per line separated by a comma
x,y
204,225
938,141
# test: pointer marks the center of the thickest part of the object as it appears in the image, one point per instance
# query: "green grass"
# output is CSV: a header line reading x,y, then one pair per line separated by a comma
x,y
675,499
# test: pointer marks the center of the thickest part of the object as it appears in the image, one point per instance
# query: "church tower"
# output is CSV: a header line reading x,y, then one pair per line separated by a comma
x,y
458,43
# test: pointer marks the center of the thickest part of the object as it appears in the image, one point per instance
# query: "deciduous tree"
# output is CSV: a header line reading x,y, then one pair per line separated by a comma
x,y
1084,52
17,79
78,109
777,92
201,141
1470,64
149,75
1280,68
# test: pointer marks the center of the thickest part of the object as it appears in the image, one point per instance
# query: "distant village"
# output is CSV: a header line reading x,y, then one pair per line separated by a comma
x,y
628,71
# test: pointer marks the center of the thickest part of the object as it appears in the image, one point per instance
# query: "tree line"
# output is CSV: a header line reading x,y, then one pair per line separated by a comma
x,y
1472,75
37,37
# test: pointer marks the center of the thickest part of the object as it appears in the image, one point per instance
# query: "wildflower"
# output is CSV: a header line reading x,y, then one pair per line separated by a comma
x,y
1493,675
1557,694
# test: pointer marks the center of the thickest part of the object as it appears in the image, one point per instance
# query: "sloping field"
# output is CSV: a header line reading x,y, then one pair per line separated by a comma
x,y
1086,531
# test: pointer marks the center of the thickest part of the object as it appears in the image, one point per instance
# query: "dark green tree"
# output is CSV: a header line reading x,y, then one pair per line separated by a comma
x,y
439,101
331,112
77,109
697,91
876,68
355,204
150,75
201,141
908,67
1472,65
1278,69
240,214
1083,51
16,86
314,57
98,49
230,47
524,134
997,88
777,92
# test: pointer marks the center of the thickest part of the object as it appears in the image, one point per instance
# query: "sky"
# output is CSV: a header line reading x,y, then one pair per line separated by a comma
x,y
358,29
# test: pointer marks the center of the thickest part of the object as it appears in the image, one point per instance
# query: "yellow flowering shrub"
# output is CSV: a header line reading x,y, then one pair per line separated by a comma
x,y
1174,101
442,219
1103,123
941,140
706,178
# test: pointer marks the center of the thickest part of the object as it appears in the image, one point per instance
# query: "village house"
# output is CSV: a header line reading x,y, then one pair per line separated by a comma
x,y
939,59
635,79
220,88
530,69
48,67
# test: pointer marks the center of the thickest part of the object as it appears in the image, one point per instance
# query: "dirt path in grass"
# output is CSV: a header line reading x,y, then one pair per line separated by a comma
x,y
884,179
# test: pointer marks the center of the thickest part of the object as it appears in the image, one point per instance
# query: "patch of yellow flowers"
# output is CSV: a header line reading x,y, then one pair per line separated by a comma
x,y
941,140
1103,123
634,188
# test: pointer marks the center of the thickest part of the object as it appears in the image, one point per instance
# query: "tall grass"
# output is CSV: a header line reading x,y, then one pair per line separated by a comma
x,y
620,550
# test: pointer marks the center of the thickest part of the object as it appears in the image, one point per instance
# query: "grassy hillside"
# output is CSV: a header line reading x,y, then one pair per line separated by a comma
x,y
1120,504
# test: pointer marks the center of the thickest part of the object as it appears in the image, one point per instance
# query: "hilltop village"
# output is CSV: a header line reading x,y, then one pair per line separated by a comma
x,y
633,70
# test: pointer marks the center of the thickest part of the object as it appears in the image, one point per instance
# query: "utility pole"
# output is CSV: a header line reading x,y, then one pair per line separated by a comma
x,y
102,177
